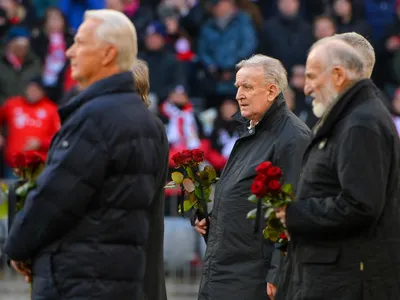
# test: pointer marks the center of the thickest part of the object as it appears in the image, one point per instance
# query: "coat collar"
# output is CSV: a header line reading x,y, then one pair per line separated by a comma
x,y
118,83
349,98
273,113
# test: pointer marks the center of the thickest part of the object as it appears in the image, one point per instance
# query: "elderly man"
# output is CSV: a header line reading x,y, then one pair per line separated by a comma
x,y
344,223
93,226
237,259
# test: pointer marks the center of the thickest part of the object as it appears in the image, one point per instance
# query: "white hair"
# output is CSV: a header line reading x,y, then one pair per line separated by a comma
x,y
339,53
363,46
274,71
116,29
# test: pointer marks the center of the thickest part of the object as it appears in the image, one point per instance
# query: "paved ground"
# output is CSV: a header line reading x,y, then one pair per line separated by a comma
x,y
12,287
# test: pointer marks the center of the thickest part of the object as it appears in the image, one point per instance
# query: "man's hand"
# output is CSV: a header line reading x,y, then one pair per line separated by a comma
x,y
23,268
201,226
271,290
281,214
32,144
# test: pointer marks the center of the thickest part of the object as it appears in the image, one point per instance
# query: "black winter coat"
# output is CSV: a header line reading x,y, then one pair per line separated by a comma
x,y
237,260
344,225
93,226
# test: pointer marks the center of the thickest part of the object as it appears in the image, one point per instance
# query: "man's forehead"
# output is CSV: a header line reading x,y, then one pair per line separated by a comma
x,y
248,75
88,27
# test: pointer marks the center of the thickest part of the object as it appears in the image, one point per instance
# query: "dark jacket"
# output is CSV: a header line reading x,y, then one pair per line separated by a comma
x,y
345,222
94,224
237,260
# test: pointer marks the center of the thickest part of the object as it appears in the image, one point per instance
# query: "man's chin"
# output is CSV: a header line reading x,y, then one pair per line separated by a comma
x,y
318,110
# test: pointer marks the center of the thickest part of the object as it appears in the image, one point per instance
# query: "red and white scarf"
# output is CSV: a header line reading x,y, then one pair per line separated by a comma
x,y
55,59
182,129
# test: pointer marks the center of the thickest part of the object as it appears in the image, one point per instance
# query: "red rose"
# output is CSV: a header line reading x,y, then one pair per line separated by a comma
x,y
178,159
262,178
187,157
274,185
258,188
283,236
263,167
198,155
18,161
33,159
274,173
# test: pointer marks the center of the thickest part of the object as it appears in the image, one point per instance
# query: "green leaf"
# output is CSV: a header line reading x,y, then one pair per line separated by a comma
x,y
253,199
266,234
206,192
212,174
171,185
177,177
287,188
190,173
187,205
23,190
251,215
268,213
272,233
188,185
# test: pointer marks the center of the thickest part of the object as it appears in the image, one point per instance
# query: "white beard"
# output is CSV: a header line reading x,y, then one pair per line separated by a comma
x,y
321,107
318,109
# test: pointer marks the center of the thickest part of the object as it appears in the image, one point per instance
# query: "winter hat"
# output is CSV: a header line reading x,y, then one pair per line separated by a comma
x,y
156,27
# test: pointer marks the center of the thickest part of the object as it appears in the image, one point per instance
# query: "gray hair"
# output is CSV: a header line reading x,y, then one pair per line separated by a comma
x,y
116,29
274,71
362,46
339,53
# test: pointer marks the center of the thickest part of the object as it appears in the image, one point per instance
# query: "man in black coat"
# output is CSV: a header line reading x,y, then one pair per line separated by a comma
x,y
237,260
344,224
93,226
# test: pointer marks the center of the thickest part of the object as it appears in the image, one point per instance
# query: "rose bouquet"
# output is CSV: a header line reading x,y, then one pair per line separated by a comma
x,y
27,166
269,192
194,182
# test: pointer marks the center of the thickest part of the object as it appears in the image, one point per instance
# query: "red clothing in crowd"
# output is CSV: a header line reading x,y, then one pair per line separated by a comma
x,y
25,120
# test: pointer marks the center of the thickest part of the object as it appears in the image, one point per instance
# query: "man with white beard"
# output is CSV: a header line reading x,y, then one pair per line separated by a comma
x,y
344,222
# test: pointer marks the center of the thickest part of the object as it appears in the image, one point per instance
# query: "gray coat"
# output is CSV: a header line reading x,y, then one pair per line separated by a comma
x,y
237,260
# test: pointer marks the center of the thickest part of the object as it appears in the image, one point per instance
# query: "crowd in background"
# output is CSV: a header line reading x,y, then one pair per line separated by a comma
x,y
191,48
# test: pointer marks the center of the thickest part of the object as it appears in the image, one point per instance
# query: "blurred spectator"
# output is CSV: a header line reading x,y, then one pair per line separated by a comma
x,y
223,136
324,26
288,36
166,71
392,48
253,11
18,64
140,15
191,15
228,37
183,127
396,109
348,19
75,9
302,104
31,121
290,98
20,13
379,14
177,39
41,6
50,41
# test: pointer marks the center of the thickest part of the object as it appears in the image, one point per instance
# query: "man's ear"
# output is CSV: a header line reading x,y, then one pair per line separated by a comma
x,y
339,76
273,92
110,55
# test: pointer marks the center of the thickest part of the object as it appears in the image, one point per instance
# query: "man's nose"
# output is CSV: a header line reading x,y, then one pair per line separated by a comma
x,y
69,52
307,89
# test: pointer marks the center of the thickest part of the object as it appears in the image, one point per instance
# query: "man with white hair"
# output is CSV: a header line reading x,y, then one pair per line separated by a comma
x,y
344,223
237,260
92,228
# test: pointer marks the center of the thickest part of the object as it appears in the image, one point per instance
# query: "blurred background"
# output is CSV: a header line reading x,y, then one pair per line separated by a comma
x,y
191,47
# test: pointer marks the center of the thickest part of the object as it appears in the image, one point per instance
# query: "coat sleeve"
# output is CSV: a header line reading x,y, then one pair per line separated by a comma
x,y
75,171
362,164
290,161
